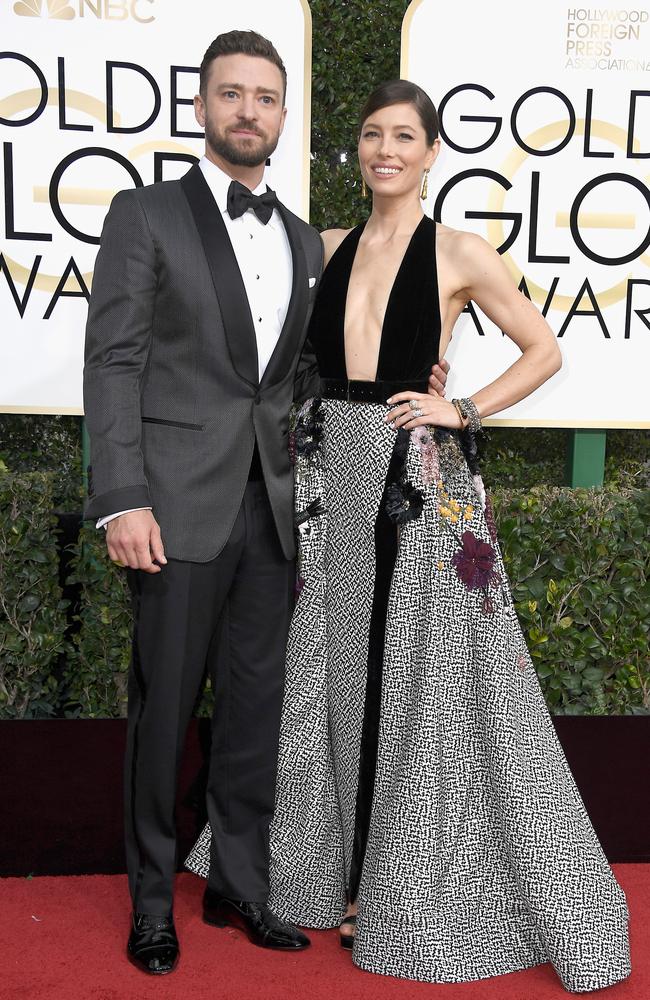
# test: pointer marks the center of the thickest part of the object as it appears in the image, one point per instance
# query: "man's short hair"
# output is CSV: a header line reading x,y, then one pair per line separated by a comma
x,y
246,43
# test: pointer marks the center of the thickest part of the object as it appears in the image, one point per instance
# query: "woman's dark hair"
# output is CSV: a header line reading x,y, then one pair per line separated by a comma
x,y
404,92
235,43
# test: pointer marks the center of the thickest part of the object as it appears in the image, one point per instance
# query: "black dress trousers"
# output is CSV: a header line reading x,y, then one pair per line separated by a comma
x,y
232,616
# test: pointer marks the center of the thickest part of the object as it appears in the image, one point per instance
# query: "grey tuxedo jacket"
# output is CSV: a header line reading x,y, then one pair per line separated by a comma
x,y
172,398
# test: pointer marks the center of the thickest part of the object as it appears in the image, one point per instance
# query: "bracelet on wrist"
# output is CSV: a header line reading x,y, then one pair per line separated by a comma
x,y
464,420
469,414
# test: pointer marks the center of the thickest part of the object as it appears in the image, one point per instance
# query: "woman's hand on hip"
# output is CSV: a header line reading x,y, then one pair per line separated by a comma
x,y
417,409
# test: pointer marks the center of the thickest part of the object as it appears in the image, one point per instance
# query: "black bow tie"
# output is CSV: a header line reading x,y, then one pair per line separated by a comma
x,y
240,199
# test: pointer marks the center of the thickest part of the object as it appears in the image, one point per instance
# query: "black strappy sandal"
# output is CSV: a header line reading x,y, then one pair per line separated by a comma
x,y
347,940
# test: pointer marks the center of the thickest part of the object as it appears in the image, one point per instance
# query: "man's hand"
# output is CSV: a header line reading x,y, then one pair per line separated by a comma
x,y
134,540
438,378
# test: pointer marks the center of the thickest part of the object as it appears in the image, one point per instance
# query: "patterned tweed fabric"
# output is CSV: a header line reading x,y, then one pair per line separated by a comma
x,y
480,858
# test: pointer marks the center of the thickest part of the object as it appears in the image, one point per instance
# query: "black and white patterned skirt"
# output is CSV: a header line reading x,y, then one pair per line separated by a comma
x,y
419,768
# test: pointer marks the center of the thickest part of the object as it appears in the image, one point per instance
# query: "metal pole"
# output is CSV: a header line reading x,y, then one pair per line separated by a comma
x,y
585,465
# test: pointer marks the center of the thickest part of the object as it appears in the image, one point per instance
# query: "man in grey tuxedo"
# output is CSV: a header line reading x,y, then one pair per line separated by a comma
x,y
201,297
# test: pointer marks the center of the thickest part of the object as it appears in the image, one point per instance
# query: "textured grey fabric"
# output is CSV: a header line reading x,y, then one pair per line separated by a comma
x,y
481,858
172,424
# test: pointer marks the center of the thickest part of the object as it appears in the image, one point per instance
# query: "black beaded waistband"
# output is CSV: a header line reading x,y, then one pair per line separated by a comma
x,y
354,391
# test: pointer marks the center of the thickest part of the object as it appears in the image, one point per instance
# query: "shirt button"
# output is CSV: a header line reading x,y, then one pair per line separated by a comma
x,y
257,277
259,319
250,236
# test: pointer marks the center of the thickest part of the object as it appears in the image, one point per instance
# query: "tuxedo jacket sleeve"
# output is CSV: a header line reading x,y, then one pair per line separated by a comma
x,y
118,340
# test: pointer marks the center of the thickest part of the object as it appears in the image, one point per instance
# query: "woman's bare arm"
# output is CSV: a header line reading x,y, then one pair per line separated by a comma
x,y
481,275
489,284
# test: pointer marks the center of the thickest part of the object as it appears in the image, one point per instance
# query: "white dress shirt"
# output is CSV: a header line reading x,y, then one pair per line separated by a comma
x,y
264,258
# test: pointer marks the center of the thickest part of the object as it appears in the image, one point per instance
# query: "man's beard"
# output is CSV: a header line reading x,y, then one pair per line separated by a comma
x,y
238,155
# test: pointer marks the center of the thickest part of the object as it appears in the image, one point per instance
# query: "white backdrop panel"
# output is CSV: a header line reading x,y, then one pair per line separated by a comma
x,y
66,49
558,79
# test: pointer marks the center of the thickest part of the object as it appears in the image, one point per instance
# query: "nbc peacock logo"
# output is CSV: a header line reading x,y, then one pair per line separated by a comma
x,y
60,10
102,10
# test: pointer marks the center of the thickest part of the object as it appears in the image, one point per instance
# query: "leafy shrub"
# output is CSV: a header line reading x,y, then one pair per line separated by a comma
x,y
97,666
579,565
579,562
522,457
38,443
32,610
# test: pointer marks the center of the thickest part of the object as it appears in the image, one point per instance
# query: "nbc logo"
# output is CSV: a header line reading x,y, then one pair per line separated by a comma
x,y
59,9
105,10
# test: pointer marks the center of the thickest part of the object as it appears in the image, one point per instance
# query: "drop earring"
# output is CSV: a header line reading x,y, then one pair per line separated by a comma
x,y
425,185
364,189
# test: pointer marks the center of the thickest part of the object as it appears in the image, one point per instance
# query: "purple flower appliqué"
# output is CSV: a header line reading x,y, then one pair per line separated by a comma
x,y
474,562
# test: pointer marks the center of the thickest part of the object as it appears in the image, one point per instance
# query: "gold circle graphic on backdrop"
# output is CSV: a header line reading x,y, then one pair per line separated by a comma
x,y
496,201
94,108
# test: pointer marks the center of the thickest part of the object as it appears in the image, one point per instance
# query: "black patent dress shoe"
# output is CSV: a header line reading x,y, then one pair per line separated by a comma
x,y
255,919
153,945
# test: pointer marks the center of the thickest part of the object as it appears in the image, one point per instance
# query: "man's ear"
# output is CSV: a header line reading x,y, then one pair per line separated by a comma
x,y
199,110
283,120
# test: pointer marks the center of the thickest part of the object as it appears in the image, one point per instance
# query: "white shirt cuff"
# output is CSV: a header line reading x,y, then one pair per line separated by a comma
x,y
103,521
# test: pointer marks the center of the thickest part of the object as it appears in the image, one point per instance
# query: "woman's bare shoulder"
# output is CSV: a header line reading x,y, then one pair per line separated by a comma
x,y
332,239
459,245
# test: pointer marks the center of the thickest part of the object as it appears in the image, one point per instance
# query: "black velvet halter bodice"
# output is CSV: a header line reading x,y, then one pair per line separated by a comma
x,y
410,336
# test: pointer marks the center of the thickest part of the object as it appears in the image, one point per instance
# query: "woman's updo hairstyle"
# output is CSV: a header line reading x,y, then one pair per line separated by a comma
x,y
404,92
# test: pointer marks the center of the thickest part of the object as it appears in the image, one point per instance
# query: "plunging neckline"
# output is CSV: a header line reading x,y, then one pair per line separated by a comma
x,y
391,295
408,341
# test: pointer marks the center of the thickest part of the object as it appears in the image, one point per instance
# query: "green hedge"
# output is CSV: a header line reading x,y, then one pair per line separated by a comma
x,y
32,610
578,561
97,664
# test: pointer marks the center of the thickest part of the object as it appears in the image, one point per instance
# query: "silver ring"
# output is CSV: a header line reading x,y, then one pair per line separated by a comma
x,y
413,404
417,413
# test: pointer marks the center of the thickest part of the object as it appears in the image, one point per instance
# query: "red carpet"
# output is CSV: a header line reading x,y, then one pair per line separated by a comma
x,y
63,939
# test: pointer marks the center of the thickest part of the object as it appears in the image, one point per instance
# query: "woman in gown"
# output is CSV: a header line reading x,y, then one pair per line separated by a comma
x,y
420,778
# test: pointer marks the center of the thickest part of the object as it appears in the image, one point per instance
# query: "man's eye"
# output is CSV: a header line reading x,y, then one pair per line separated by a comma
x,y
267,100
230,93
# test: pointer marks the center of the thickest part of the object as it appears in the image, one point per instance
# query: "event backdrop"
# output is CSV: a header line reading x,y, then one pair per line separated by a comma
x,y
545,125
96,96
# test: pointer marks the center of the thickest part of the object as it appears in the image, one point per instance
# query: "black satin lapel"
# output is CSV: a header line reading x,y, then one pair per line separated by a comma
x,y
294,322
226,276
